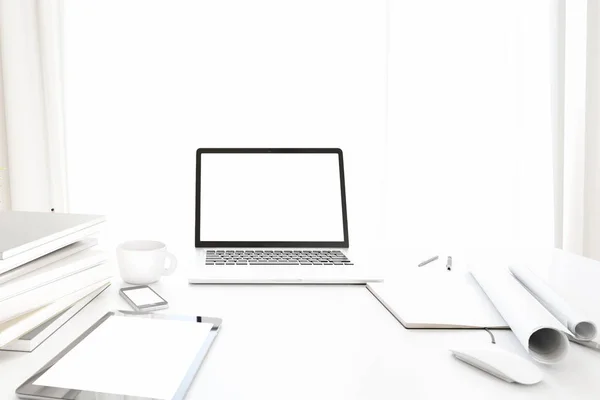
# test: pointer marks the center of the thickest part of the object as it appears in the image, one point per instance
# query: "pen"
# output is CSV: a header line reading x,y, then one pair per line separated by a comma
x,y
432,259
449,263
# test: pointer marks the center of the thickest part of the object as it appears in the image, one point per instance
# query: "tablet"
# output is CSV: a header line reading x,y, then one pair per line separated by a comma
x,y
138,355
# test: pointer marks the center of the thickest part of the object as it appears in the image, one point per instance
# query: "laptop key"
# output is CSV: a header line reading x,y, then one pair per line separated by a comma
x,y
265,263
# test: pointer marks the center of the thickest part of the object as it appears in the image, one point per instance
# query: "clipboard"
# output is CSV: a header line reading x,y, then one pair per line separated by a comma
x,y
31,390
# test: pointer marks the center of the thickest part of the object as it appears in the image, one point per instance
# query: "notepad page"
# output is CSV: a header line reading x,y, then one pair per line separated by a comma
x,y
131,356
438,299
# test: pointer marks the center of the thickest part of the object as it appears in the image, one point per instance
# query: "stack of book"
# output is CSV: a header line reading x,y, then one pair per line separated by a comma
x,y
50,269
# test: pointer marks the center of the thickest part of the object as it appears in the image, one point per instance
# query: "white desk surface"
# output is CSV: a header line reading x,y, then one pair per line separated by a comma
x,y
323,342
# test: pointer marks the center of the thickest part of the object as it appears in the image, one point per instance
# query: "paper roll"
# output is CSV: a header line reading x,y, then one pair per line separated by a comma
x,y
535,328
582,328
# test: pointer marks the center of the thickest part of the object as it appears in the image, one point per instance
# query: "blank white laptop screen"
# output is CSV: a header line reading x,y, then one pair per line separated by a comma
x,y
270,197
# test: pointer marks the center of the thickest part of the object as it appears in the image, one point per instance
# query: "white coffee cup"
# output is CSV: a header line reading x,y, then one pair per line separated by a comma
x,y
142,262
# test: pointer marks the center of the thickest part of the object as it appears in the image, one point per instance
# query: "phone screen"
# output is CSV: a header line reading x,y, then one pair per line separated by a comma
x,y
143,296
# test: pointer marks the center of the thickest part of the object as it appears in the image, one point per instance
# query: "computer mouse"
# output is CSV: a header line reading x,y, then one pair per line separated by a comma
x,y
501,363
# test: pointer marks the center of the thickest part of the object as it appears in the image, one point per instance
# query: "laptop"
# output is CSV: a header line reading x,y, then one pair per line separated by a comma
x,y
273,216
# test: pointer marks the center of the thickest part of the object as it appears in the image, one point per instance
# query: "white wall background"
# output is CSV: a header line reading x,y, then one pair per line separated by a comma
x,y
465,159
148,82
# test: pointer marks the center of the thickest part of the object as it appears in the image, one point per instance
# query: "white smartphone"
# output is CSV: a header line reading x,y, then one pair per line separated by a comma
x,y
143,298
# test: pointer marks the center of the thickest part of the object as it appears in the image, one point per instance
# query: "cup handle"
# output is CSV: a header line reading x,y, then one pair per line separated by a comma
x,y
172,264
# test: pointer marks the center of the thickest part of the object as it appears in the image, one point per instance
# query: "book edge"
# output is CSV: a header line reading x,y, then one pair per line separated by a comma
x,y
45,249
28,345
15,251
52,257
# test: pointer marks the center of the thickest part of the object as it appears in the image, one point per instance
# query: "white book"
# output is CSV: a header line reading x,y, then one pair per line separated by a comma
x,y
28,331
23,230
48,259
51,273
42,250
42,295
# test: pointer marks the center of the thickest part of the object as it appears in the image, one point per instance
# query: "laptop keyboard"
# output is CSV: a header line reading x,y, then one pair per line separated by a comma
x,y
276,257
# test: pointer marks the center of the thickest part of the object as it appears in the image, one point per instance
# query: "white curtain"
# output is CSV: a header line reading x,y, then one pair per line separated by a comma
x,y
4,182
577,142
32,151
493,107
469,127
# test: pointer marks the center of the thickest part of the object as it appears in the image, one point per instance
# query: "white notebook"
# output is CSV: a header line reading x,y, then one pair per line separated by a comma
x,y
51,273
63,309
48,259
437,299
21,230
35,253
43,295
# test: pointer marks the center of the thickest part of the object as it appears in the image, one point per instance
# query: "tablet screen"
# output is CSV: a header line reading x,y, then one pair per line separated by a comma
x,y
130,356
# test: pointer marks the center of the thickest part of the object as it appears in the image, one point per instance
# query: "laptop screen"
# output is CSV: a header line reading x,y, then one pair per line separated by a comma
x,y
270,198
